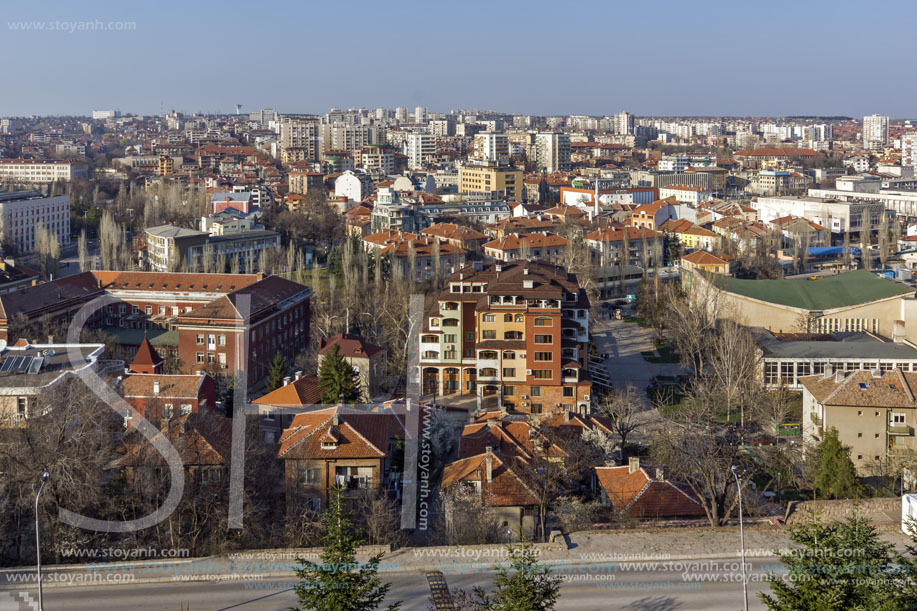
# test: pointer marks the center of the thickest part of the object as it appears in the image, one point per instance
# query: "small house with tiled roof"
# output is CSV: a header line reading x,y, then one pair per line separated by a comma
x,y
499,480
705,261
337,446
368,359
644,492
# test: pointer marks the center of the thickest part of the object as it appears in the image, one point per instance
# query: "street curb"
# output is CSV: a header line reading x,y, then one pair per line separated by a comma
x,y
469,568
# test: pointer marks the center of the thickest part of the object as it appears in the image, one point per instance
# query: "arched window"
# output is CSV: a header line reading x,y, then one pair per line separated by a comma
x,y
507,318
488,354
543,321
520,318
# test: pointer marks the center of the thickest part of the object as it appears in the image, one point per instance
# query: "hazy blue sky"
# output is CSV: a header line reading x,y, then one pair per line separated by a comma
x,y
537,57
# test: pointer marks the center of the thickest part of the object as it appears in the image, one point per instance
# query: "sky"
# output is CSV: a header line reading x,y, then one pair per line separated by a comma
x,y
673,58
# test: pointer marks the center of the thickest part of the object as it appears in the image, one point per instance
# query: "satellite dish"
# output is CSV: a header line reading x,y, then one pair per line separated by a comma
x,y
2,345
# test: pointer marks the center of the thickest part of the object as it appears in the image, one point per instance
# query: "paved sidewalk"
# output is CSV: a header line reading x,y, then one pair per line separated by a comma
x,y
624,341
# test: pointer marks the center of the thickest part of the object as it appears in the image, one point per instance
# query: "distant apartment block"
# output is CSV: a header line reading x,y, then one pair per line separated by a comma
x,y
552,152
229,240
489,179
21,212
875,132
42,171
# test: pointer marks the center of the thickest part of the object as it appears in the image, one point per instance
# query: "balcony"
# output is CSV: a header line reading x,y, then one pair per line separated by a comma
x,y
900,429
816,419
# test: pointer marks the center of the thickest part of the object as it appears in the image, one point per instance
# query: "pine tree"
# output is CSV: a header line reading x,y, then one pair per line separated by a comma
x,y
277,372
840,566
338,581
526,585
832,472
337,380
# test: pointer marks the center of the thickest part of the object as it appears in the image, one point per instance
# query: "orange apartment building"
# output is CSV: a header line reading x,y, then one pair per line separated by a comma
x,y
513,335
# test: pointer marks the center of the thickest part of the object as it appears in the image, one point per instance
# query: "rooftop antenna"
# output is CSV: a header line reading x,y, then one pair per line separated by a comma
x,y
238,108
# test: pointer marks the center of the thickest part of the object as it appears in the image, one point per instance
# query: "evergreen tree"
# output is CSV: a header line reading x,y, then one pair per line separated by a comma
x,y
832,472
839,567
337,581
338,381
525,585
277,372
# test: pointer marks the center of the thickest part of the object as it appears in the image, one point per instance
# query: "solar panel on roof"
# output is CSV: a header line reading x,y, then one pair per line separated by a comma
x,y
24,365
36,364
7,363
16,363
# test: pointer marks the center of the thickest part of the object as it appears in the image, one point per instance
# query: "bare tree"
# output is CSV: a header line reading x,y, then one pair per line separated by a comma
x,y
734,361
883,239
692,318
623,409
82,248
48,249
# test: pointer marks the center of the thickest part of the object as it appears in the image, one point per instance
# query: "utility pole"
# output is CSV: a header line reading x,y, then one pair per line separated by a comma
x,y
742,536
44,479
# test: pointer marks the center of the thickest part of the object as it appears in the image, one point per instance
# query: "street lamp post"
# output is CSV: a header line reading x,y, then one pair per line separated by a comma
x,y
742,536
44,479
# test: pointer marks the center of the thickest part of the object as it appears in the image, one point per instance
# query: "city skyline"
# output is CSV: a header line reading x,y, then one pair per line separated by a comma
x,y
683,61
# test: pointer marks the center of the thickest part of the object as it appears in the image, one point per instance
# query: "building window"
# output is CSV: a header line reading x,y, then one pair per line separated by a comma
x,y
200,357
148,309
507,318
310,477
535,391
509,391
488,318
489,334
221,340
543,321
167,410
200,339
544,339
541,374
544,356
509,355
185,408
509,372
568,391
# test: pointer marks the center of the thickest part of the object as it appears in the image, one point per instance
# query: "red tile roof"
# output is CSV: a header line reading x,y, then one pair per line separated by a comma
x,y
351,346
640,495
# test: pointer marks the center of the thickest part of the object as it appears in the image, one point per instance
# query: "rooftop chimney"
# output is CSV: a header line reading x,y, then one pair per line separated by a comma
x,y
838,376
299,374
489,463
566,416
660,475
155,387
287,380
829,371
336,419
633,464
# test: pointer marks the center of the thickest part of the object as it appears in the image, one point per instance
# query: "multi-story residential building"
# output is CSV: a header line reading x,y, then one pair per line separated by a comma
x,y
778,182
41,171
875,132
552,152
691,236
420,115
706,262
104,115
354,185
302,181
643,247
300,132
874,412
505,181
542,246
513,335
827,209
623,123
374,157
686,194
22,212
418,147
490,148
909,149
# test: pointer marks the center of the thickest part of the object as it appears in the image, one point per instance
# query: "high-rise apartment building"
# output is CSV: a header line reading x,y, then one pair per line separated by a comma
x,y
41,171
296,132
623,123
22,212
514,335
418,147
875,132
490,148
420,115
909,149
401,114
552,152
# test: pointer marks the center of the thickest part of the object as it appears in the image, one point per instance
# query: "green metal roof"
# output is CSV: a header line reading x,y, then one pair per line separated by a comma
x,y
826,293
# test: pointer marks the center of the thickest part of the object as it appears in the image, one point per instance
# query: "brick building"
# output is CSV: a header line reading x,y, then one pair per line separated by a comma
x,y
515,335
204,314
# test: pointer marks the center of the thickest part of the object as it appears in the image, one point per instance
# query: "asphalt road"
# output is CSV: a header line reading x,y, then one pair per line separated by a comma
x,y
708,585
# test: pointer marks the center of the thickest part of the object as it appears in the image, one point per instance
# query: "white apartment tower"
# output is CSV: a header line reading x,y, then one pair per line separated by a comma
x,y
300,132
420,115
909,149
22,212
875,132
491,148
401,114
552,152
417,147
624,123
